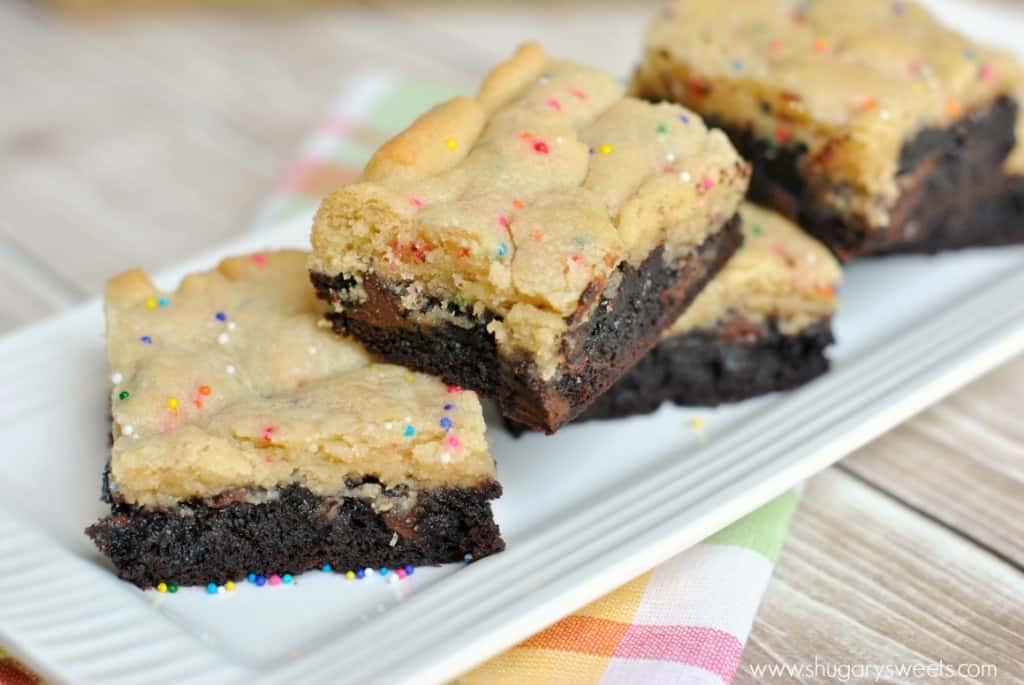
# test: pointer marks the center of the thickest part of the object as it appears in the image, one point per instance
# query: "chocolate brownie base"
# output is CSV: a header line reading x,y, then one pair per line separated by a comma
x,y
619,330
701,369
709,368
197,543
956,194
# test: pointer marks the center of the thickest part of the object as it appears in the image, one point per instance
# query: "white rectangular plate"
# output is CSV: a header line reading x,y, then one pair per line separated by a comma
x,y
583,511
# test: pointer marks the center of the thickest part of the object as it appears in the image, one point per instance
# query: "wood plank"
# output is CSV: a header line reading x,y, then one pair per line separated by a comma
x,y
862,579
961,462
605,34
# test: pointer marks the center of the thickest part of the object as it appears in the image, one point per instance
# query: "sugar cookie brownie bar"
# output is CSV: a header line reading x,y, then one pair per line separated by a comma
x,y
533,242
249,438
760,326
876,128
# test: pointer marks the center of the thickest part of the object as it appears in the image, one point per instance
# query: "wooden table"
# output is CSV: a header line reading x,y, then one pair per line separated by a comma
x,y
142,139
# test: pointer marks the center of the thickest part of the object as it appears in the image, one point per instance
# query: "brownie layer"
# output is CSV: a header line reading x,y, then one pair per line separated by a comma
x,y
619,330
707,368
198,543
955,192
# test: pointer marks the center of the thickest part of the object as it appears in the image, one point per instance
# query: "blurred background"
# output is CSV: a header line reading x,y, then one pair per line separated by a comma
x,y
140,132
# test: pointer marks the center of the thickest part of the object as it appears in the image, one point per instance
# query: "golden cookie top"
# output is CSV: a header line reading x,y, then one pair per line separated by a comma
x,y
850,80
231,382
524,195
780,273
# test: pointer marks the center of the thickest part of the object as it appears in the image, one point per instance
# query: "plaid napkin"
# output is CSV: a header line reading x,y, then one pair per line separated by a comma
x,y
685,622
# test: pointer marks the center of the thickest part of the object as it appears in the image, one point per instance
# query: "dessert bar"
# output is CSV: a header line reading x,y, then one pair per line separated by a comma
x,y
532,242
249,438
760,326
876,128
